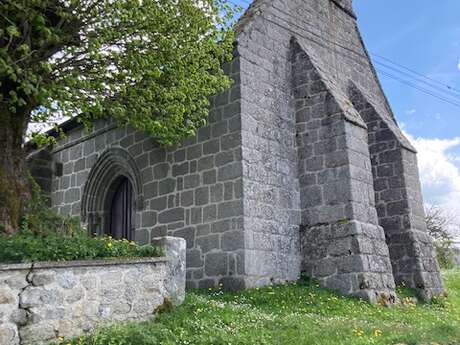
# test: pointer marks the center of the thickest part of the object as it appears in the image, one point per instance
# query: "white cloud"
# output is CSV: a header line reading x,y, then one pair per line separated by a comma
x,y
411,111
439,173
458,66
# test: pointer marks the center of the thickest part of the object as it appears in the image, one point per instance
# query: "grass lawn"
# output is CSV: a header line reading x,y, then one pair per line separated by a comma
x,y
292,314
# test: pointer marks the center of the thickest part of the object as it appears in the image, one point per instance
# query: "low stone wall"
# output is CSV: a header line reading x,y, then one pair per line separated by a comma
x,y
40,302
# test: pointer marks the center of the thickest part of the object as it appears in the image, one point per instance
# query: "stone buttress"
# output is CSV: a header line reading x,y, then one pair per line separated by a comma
x,y
311,158
301,167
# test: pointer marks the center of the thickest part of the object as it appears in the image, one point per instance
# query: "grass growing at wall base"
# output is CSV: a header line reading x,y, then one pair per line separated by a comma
x,y
294,314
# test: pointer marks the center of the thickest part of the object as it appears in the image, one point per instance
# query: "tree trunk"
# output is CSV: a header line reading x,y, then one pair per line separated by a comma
x,y
15,193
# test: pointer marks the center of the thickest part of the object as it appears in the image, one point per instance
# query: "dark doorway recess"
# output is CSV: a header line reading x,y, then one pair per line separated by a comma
x,y
120,217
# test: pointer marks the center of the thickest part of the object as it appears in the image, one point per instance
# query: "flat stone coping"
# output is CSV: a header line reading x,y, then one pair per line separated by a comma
x,y
82,263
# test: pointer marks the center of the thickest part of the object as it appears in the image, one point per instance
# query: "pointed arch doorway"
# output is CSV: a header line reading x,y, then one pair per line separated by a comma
x,y
120,207
113,198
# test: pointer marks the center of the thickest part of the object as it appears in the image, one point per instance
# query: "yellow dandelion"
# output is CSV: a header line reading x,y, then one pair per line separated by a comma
x,y
109,245
358,332
378,333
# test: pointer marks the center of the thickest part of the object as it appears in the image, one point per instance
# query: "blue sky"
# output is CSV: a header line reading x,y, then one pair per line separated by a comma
x,y
423,35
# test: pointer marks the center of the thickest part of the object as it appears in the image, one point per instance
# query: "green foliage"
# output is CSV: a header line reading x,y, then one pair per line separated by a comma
x,y
29,247
444,253
438,222
47,236
298,314
151,64
42,220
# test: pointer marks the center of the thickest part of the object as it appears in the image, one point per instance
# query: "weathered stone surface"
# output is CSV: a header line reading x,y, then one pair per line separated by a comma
x,y
67,299
175,250
303,139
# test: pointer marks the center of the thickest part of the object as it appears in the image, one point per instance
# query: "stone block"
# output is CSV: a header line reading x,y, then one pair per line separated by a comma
x,y
325,268
180,169
40,279
232,240
208,243
179,155
159,204
217,193
228,191
204,133
221,226
216,264
396,208
209,177
230,141
166,186
218,129
149,218
211,146
230,171
6,297
79,165
160,171
172,215
194,152
203,230
191,181
209,213
194,258
230,209
151,190
188,234
311,196
201,196
206,163
142,236
147,174
187,198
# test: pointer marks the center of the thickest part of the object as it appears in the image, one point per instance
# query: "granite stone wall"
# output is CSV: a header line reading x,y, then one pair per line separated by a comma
x,y
327,32
342,244
285,151
270,179
399,202
193,191
40,302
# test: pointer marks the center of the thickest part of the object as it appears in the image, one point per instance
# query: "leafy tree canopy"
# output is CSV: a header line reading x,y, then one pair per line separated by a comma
x,y
151,64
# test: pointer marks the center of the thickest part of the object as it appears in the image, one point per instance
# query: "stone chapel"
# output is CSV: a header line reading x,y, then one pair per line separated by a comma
x,y
301,168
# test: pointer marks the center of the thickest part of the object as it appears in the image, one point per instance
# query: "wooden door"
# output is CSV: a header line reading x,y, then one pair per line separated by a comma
x,y
121,212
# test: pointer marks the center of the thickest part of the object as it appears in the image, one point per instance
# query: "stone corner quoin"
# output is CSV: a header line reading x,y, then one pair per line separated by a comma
x,y
302,167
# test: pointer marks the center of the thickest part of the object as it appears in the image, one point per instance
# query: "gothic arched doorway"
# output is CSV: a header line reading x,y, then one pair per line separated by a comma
x,y
112,197
119,206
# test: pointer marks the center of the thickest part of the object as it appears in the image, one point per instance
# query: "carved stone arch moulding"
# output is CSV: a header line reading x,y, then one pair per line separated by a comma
x,y
111,165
